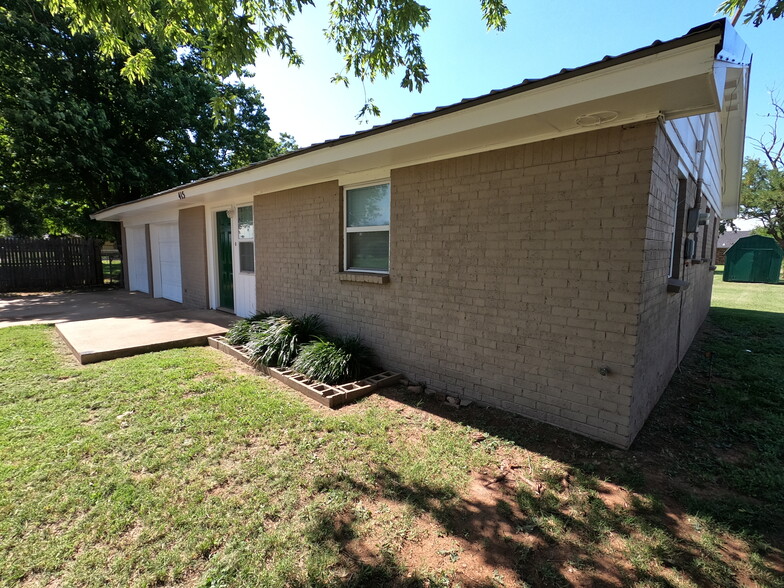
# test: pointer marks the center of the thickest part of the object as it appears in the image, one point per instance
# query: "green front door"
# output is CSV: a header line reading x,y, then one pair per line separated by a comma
x,y
225,269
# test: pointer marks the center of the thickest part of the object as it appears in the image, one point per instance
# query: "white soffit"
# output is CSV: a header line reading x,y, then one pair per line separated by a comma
x,y
678,82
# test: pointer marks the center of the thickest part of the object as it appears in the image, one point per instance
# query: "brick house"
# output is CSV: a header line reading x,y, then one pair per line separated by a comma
x,y
545,249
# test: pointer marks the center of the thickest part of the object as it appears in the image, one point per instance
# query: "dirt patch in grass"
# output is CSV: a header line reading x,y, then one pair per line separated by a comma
x,y
40,581
641,531
481,538
475,550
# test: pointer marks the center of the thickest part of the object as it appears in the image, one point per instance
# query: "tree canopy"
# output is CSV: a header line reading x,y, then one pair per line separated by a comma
x,y
760,10
77,136
762,197
762,188
374,37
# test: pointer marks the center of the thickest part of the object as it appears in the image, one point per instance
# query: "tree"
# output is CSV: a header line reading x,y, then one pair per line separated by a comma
x,y
286,144
762,197
762,189
77,136
374,37
763,9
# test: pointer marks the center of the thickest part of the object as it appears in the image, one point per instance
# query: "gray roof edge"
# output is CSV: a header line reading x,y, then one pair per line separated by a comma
x,y
715,28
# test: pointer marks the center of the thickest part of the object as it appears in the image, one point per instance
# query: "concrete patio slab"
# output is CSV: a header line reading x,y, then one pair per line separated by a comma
x,y
110,338
108,324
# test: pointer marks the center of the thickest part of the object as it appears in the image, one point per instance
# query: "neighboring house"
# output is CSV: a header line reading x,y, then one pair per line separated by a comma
x,y
726,241
545,249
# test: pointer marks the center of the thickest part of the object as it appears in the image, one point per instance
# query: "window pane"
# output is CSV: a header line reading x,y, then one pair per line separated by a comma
x,y
368,207
368,251
245,222
246,257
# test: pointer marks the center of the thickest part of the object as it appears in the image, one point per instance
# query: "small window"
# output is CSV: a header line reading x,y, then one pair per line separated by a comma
x,y
678,230
245,236
707,233
367,213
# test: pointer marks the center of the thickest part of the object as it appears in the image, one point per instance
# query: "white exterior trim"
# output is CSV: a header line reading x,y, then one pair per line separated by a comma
x,y
346,229
242,282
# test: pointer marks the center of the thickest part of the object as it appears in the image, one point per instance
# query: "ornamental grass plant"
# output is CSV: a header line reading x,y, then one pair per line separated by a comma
x,y
241,331
278,339
333,361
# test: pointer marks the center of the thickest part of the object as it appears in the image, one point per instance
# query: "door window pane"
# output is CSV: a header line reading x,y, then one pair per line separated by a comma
x,y
246,257
245,222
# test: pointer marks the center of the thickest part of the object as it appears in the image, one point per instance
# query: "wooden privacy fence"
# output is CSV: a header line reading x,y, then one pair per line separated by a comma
x,y
28,265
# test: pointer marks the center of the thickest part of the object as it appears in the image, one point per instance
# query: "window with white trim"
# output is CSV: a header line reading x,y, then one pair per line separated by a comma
x,y
366,221
678,230
245,236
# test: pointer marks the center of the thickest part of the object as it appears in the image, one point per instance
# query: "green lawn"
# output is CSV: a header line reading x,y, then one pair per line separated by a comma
x,y
745,296
183,468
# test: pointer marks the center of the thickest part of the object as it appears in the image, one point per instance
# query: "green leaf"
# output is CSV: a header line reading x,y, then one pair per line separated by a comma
x,y
138,66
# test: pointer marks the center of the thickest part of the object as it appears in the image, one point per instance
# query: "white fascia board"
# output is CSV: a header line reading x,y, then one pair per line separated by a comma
x,y
137,208
358,155
147,217
734,62
733,120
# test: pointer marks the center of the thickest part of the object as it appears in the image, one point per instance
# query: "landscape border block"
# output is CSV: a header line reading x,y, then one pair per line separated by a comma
x,y
329,396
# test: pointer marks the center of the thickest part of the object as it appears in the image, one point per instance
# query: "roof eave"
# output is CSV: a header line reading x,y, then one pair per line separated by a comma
x,y
521,95
736,58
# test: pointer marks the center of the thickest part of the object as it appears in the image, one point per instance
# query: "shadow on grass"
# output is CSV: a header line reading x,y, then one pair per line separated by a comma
x,y
547,540
709,463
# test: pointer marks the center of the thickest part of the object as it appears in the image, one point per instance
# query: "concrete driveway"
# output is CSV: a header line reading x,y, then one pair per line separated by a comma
x,y
115,323
58,307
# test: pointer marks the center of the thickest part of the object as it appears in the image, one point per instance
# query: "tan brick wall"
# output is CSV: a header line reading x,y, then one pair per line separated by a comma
x,y
515,275
668,321
193,256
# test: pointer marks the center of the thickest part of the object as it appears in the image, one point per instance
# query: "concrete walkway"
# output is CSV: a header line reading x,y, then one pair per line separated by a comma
x,y
108,324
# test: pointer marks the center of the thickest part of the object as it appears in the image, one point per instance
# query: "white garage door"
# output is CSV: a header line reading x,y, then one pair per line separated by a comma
x,y
167,278
136,252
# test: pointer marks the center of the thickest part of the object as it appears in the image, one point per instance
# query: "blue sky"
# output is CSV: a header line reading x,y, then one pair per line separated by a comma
x,y
465,60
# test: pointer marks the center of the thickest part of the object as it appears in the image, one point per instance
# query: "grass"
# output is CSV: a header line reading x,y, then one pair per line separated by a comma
x,y
734,425
112,269
747,296
182,468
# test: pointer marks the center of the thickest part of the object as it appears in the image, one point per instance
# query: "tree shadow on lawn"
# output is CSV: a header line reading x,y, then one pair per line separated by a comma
x,y
526,535
697,498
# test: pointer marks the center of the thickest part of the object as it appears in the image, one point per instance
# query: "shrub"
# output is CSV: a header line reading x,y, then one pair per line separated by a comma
x,y
241,331
333,361
279,338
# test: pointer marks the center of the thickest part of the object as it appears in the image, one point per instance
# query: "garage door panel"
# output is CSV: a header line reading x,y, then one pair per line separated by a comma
x,y
136,254
166,258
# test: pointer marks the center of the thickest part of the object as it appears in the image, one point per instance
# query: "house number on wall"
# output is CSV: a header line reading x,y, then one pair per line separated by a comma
x,y
181,195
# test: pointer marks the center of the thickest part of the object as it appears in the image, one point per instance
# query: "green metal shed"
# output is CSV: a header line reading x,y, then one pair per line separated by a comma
x,y
754,259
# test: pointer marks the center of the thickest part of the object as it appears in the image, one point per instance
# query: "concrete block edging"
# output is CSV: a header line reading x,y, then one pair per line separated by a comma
x,y
329,396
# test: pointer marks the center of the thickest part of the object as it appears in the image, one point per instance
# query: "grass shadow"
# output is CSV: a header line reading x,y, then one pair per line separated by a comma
x,y
711,454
